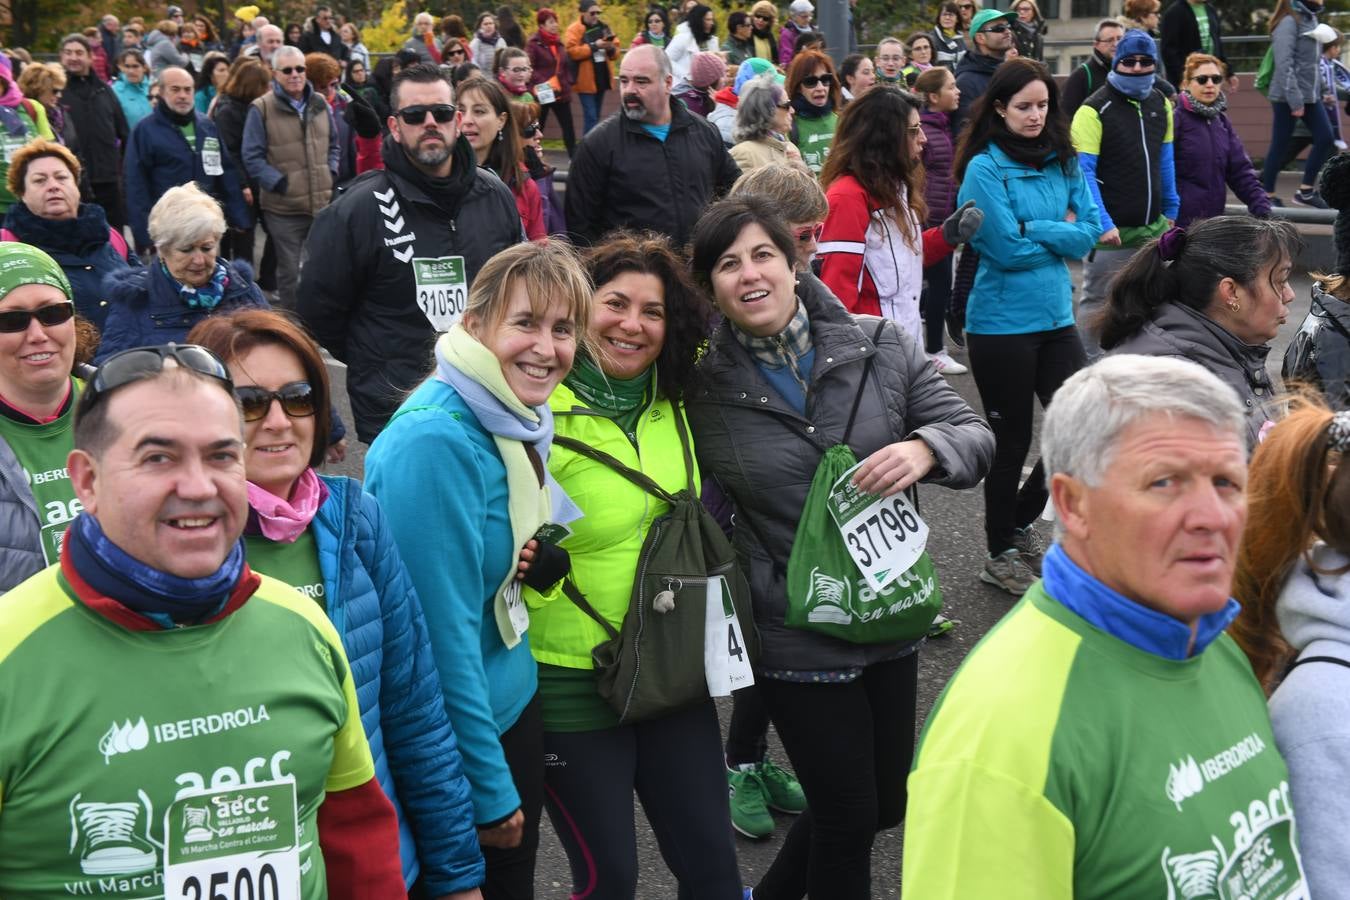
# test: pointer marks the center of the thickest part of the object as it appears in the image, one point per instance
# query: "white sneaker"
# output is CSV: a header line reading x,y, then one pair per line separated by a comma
x,y
943,362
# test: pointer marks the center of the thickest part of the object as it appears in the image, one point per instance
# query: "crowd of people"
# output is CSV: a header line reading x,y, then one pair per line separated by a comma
x,y
640,446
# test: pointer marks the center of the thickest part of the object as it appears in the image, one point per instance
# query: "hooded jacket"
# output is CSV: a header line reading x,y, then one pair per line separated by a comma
x,y
939,156
135,99
1180,332
972,77
146,308
1310,713
1296,53
622,176
358,290
159,157
1210,159
764,454
1319,353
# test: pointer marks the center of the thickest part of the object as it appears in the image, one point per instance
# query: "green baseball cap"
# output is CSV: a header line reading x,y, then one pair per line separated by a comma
x,y
984,17
22,264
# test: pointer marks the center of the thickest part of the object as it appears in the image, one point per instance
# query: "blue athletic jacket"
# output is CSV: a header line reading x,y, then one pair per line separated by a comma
x,y
372,603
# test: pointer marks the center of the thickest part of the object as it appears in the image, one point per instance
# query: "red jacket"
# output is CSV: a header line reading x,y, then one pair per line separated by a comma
x,y
860,248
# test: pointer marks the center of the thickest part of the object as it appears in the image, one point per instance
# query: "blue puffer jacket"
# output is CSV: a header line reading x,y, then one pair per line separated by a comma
x,y
372,603
147,309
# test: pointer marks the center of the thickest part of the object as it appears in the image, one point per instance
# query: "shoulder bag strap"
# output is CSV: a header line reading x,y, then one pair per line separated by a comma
x,y
574,594
1312,659
862,385
685,447
638,478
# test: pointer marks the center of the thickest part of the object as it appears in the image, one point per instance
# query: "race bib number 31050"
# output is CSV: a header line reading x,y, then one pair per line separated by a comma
x,y
442,289
236,842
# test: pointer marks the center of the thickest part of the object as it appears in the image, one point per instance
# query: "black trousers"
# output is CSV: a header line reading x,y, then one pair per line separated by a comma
x,y
937,293
510,873
108,194
562,111
674,763
851,746
1011,372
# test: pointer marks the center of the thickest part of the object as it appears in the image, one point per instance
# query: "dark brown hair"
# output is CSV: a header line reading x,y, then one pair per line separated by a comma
x,y
508,152
235,334
248,79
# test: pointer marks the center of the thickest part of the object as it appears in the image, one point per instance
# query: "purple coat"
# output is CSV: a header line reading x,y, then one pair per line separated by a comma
x,y
787,44
939,156
1210,159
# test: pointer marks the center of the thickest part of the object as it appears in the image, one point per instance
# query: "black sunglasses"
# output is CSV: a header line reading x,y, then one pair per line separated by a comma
x,y
530,130
139,363
763,18
997,29
1207,79
292,70
297,400
15,320
1137,62
416,115
812,80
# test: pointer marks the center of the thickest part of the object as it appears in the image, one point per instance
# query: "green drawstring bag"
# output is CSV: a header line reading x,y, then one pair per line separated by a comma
x,y
827,593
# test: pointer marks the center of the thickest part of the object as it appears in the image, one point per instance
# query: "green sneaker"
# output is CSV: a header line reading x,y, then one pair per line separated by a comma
x,y
749,814
782,791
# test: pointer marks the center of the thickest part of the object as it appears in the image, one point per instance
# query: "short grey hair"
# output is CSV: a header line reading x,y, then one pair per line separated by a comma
x,y
287,51
755,110
183,215
1093,408
1105,23
663,67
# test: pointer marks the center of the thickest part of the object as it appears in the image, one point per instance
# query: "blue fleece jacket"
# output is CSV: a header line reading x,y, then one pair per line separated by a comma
x,y
438,475
372,603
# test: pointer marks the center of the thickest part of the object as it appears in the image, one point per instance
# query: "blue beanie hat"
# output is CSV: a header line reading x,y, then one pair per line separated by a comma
x,y
1136,42
751,68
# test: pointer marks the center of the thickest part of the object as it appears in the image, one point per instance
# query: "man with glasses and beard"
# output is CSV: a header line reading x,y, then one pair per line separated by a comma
x,y
991,37
392,259
653,165
291,150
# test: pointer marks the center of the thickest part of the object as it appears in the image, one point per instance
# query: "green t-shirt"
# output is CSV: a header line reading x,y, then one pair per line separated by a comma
x,y
570,699
1201,13
42,451
814,137
296,563
102,728
189,133
1061,762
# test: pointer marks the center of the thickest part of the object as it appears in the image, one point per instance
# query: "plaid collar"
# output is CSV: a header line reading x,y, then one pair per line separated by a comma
x,y
784,349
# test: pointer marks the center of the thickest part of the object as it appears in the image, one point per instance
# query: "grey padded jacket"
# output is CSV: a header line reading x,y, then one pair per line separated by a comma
x,y
1294,77
20,535
764,454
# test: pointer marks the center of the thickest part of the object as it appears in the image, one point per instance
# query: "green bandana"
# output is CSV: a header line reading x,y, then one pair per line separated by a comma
x,y
22,264
616,398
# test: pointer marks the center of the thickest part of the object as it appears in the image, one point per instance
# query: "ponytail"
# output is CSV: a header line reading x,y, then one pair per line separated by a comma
x,y
1144,284
1296,494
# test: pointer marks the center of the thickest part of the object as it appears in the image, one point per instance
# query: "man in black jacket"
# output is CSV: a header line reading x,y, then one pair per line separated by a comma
x,y
320,36
1091,75
1181,35
655,166
102,126
391,259
991,37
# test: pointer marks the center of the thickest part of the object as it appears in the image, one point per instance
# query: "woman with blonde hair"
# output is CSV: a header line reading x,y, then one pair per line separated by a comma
x,y
1293,581
1029,28
763,18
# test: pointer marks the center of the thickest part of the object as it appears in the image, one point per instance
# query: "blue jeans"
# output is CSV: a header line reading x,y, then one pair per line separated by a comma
x,y
590,110
1282,127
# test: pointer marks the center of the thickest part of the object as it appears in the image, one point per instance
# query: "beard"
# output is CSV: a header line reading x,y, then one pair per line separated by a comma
x,y
636,113
431,154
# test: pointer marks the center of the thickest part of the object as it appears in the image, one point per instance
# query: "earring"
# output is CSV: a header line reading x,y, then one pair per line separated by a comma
x,y
1235,306
499,135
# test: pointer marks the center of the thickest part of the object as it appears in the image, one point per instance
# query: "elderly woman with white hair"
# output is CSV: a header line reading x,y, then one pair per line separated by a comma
x,y
763,122
185,283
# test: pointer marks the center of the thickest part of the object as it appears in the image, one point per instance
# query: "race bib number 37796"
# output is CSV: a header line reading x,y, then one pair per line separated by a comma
x,y
442,289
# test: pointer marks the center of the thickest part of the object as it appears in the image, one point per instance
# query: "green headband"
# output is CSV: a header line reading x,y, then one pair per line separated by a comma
x,y
22,264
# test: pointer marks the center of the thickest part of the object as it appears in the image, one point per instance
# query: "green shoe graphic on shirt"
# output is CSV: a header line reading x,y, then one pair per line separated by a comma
x,y
106,836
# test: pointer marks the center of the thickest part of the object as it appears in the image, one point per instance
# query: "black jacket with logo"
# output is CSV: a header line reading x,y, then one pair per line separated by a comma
x,y
357,290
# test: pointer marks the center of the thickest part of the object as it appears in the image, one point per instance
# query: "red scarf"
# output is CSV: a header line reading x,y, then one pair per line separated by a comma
x,y
510,88
550,39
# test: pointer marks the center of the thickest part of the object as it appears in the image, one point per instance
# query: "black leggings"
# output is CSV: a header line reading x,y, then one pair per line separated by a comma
x,y
746,735
510,873
675,765
937,294
851,746
1011,371
562,111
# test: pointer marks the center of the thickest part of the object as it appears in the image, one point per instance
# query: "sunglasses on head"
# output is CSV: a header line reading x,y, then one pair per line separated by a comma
x,y
416,115
996,29
297,400
15,320
809,233
130,366
812,80
1207,79
292,70
531,130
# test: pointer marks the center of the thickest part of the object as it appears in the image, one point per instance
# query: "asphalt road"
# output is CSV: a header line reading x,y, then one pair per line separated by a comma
x,y
956,544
